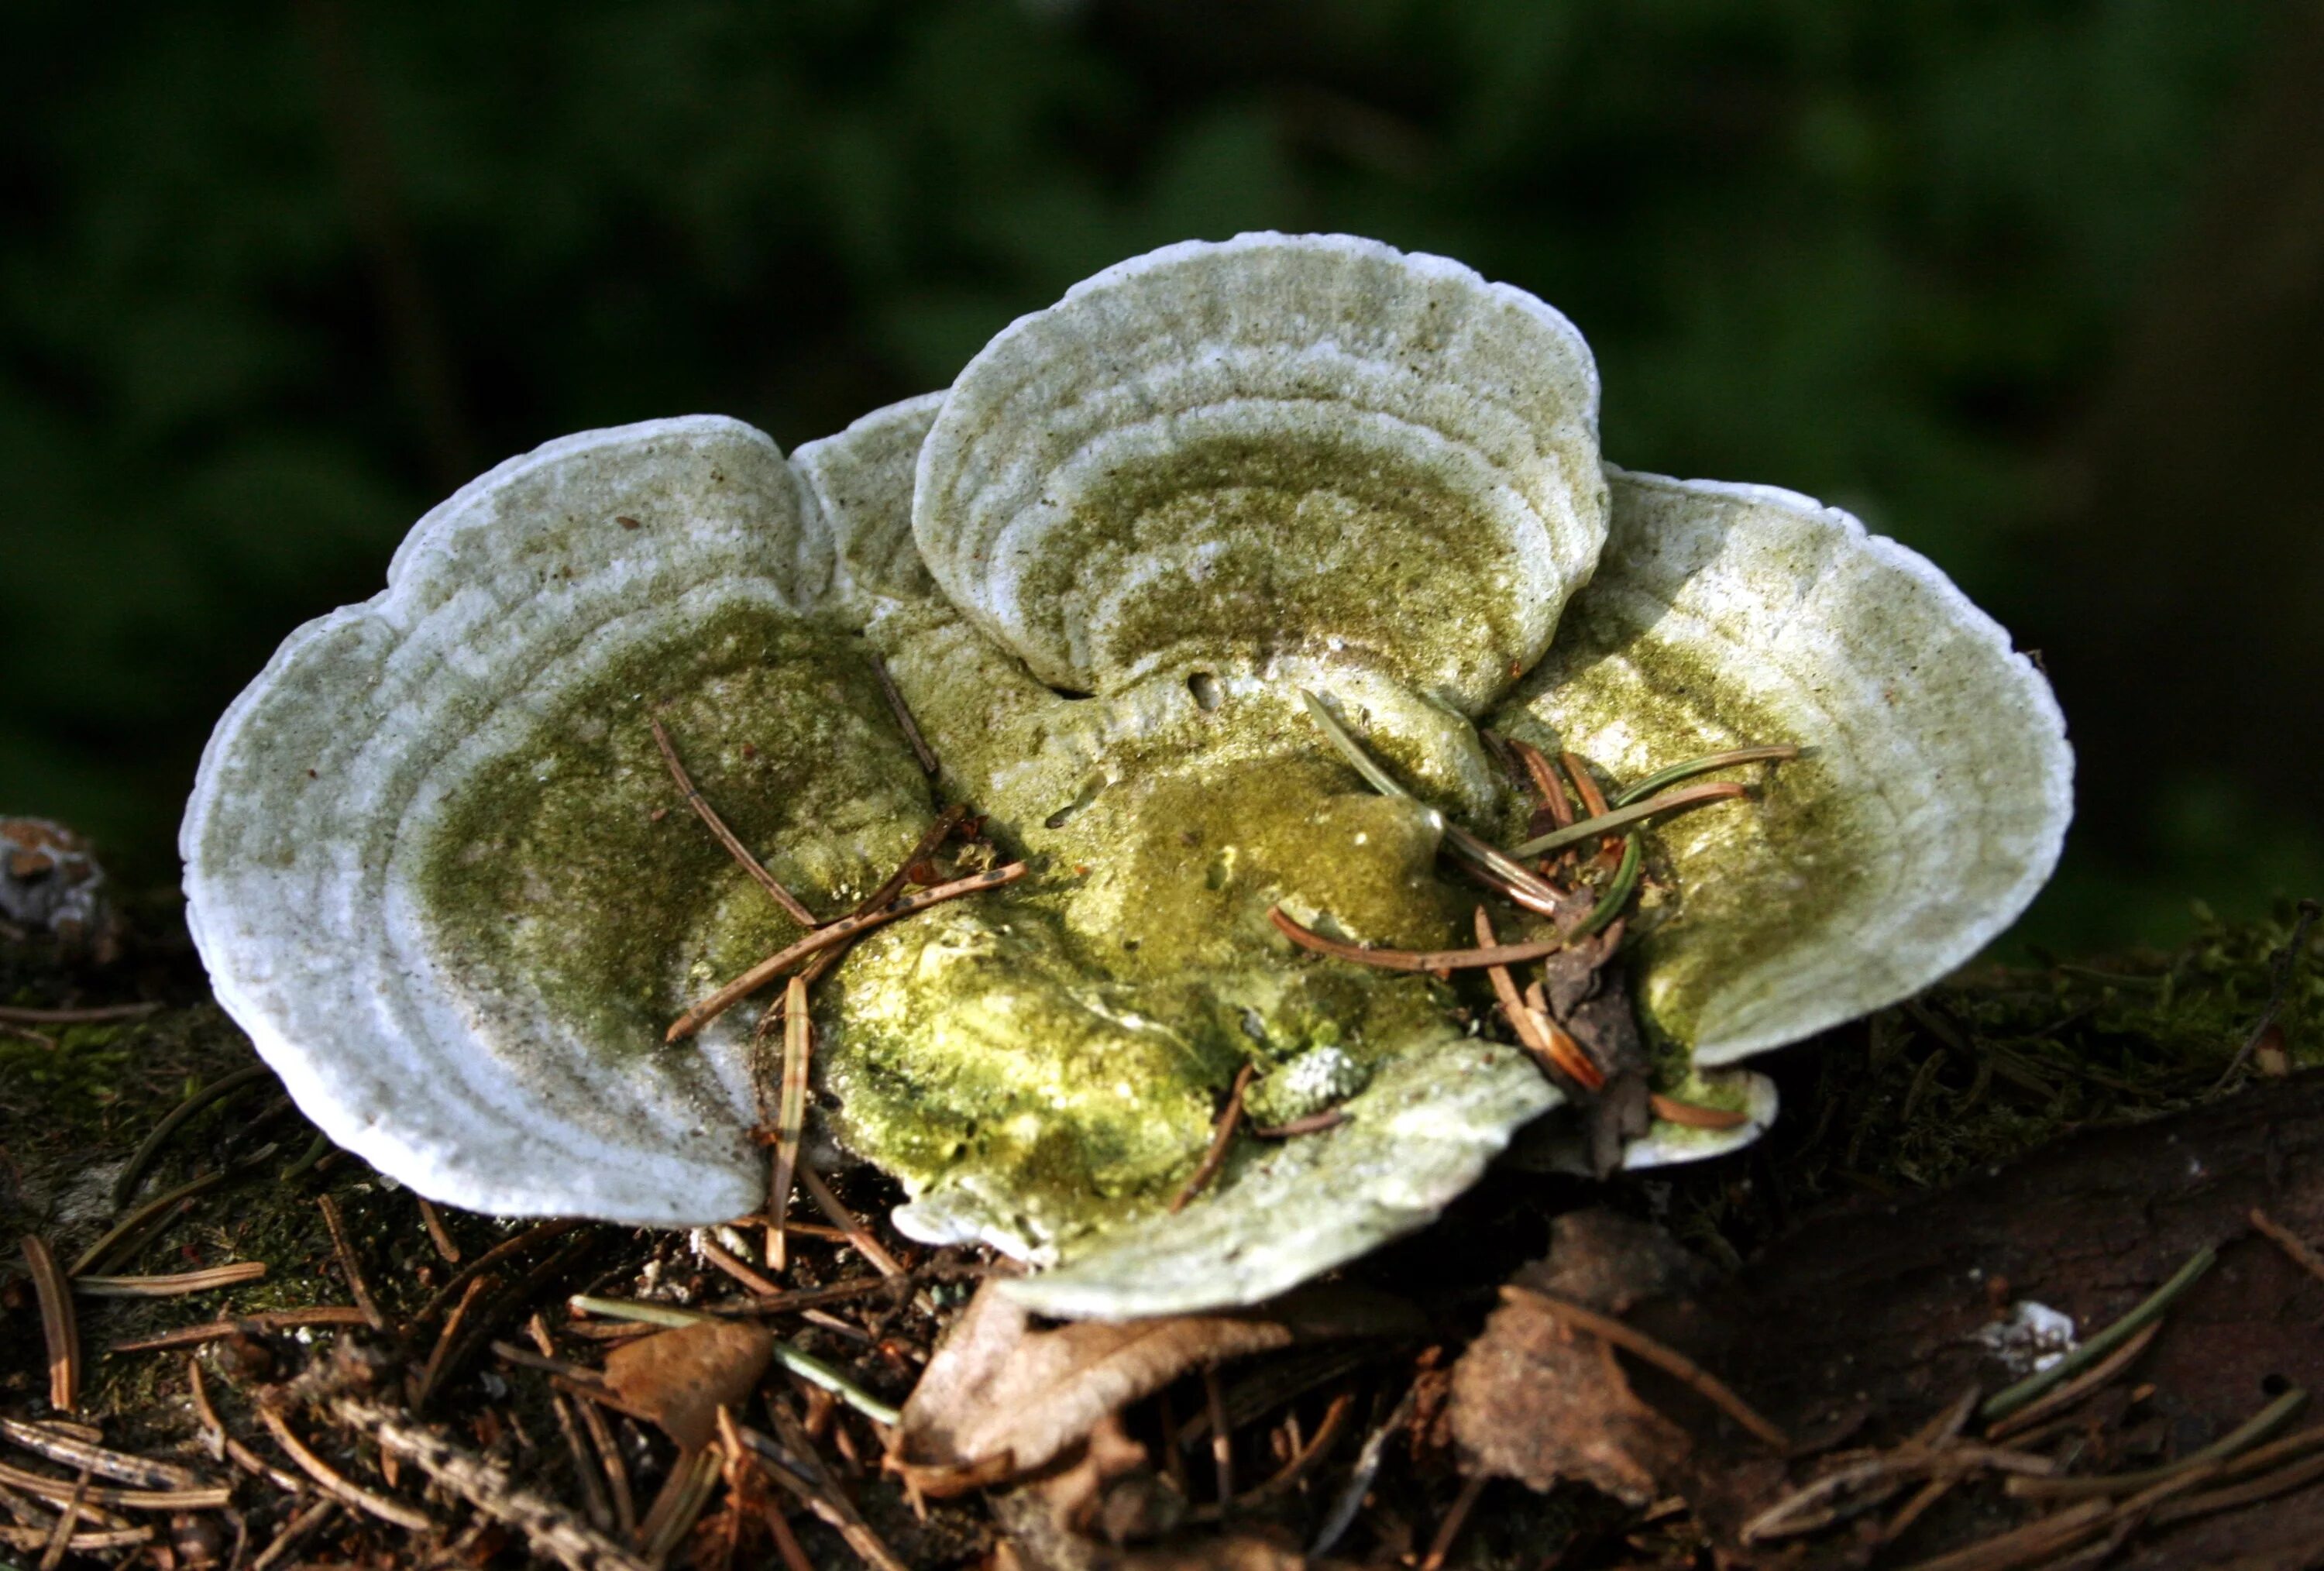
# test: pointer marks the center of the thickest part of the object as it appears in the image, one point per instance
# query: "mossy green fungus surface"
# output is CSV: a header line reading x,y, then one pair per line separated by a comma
x,y
574,861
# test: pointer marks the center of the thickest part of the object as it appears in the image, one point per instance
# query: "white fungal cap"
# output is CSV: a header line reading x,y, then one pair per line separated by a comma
x,y
439,871
317,838
1930,808
1274,447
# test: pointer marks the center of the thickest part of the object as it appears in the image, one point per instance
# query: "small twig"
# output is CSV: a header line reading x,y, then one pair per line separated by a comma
x,y
1670,1362
171,1286
437,1233
2065,1396
548,1526
1222,1137
2305,1258
2278,971
1412,959
59,1326
338,1487
825,936
11,1015
2007,1401
218,1090
741,852
858,1235
267,1320
920,749
67,1451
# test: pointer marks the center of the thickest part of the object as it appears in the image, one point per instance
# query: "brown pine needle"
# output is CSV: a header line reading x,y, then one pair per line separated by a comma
x,y
1617,818
98,1253
734,847
357,1289
2008,1400
1671,1362
1313,1123
339,1488
790,1118
438,1234
2291,1243
59,1490
1546,786
1585,784
432,1371
2075,1389
1455,1519
59,1326
270,1320
825,937
848,1222
1695,1115
451,1291
169,1287
735,1266
935,835
920,748
1412,959
1541,1036
1222,1137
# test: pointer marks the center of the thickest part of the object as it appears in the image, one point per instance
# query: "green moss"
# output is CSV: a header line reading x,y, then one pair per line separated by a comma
x,y
571,862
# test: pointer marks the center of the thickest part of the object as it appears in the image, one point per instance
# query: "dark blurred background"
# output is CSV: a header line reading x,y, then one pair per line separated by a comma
x,y
2037,287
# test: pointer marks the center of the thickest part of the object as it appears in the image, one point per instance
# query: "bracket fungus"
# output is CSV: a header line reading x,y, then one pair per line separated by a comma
x,y
1223,594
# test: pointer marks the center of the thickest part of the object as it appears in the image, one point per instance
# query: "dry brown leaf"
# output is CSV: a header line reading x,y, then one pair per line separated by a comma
x,y
997,1386
1536,1401
680,1378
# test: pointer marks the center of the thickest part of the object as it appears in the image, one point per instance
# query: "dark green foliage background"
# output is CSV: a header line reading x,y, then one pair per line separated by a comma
x,y
275,277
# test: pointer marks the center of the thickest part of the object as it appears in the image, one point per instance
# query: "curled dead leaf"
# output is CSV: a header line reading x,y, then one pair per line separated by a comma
x,y
1536,1401
997,1387
680,1378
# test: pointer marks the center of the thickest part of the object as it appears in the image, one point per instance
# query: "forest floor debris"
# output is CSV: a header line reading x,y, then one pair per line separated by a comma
x,y
2055,1134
